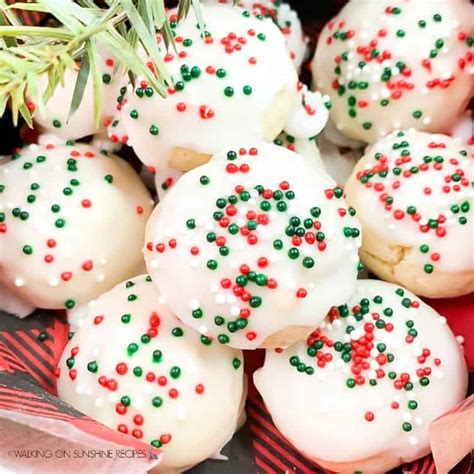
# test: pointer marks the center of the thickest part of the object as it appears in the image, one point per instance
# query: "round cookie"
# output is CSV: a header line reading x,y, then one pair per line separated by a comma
x,y
72,224
135,367
238,83
378,372
412,191
254,247
287,20
53,120
390,66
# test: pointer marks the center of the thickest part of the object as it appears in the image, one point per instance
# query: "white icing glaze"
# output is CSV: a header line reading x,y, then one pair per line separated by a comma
x,y
180,257
67,233
426,191
54,119
310,115
424,72
189,390
335,425
286,19
308,120
303,146
209,119
165,179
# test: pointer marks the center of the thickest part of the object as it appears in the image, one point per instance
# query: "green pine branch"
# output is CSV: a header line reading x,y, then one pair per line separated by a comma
x,y
121,26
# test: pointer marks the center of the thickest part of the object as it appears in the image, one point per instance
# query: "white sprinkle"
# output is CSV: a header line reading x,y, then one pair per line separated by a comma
x,y
220,298
113,397
413,440
19,282
182,412
439,374
193,304
99,402
138,403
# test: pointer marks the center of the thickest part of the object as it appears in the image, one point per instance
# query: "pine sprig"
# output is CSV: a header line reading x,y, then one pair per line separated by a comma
x,y
121,26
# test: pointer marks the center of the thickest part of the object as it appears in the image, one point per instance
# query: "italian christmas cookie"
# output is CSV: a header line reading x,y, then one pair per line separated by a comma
x,y
286,19
72,224
394,65
379,370
308,120
135,367
53,120
412,191
253,248
233,81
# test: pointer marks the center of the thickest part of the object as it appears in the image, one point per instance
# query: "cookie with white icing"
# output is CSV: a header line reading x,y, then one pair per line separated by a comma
x,y
395,65
253,248
360,393
307,121
285,17
235,83
53,120
72,223
135,367
412,192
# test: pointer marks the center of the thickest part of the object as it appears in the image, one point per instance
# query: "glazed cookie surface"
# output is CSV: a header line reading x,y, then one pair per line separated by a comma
x,y
378,372
135,367
72,223
285,17
412,192
237,83
394,65
254,247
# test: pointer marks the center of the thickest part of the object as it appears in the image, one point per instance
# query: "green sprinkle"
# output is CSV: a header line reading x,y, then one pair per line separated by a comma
x,y
27,249
157,402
